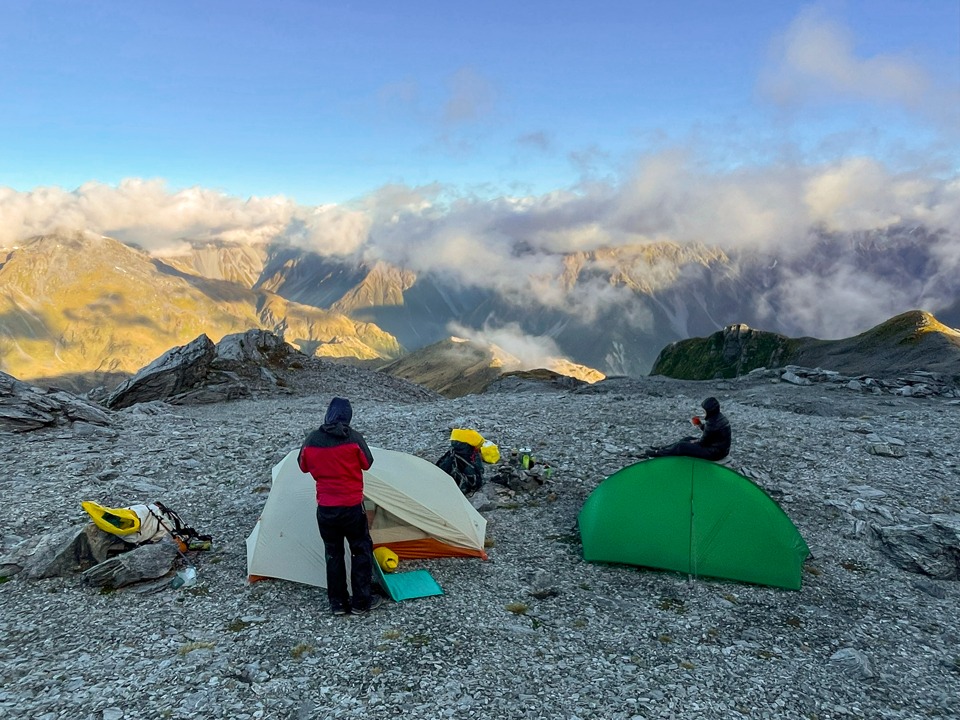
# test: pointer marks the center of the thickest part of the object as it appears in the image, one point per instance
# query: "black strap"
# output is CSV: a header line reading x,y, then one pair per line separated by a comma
x,y
180,530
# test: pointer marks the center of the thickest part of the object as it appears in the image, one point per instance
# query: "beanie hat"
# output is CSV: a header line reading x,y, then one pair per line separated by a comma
x,y
711,405
339,411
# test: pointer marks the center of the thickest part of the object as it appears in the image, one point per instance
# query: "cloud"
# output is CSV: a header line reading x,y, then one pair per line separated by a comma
x,y
471,98
539,141
816,60
842,302
149,214
521,351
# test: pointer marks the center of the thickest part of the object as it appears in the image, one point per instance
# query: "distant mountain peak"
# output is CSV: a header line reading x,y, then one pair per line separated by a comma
x,y
457,366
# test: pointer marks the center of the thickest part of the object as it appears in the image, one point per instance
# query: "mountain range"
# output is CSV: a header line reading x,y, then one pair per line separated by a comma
x,y
85,309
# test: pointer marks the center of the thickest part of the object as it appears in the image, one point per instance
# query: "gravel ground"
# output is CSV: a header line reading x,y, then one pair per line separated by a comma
x,y
534,631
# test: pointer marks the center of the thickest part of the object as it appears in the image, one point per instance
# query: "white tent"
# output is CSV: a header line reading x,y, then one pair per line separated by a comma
x,y
417,510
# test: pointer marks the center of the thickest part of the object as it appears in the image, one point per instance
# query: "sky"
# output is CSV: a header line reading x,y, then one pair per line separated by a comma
x,y
426,133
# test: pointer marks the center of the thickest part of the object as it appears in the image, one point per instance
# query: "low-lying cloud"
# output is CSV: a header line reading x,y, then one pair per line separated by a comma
x,y
522,247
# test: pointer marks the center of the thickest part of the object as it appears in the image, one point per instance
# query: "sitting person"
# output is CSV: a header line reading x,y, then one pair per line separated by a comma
x,y
714,440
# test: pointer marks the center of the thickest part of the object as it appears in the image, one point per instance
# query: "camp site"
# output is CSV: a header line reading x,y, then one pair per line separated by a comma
x,y
592,584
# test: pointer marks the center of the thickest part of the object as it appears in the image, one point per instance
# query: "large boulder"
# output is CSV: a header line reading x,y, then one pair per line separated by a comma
x,y
144,562
101,558
928,548
64,551
257,347
201,372
24,407
178,371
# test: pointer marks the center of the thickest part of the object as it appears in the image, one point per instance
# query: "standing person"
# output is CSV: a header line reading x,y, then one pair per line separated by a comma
x,y
714,440
336,456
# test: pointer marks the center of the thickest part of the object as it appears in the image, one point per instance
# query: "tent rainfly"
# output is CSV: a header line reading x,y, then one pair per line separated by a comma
x,y
415,508
692,516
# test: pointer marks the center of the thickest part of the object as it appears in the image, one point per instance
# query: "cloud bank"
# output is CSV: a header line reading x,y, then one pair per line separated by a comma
x,y
525,247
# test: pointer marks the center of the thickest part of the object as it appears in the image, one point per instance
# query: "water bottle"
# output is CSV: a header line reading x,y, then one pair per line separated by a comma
x,y
184,578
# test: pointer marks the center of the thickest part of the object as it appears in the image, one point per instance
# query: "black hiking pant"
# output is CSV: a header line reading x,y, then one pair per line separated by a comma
x,y
339,524
689,447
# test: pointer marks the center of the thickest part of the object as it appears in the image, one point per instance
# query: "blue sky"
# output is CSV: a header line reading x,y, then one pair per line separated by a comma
x,y
324,102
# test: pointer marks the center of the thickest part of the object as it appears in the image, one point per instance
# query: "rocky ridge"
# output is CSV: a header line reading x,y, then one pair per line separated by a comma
x,y
901,344
534,631
456,367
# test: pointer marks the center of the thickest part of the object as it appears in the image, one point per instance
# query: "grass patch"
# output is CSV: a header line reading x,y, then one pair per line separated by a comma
x,y
392,634
665,639
419,640
568,539
191,646
673,604
794,621
237,625
300,650
489,542
856,566
517,608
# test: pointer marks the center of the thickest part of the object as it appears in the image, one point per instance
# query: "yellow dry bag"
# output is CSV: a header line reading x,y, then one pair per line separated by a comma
x,y
386,558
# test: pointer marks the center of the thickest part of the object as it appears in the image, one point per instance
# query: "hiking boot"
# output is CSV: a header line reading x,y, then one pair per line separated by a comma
x,y
375,602
339,610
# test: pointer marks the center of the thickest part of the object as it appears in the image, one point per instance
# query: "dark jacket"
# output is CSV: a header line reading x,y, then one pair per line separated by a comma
x,y
336,456
716,434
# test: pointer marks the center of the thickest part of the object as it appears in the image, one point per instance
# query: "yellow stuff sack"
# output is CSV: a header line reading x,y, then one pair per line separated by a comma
x,y
464,435
489,452
116,521
386,558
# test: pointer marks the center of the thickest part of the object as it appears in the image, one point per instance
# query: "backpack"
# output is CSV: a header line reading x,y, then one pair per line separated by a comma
x,y
187,538
464,464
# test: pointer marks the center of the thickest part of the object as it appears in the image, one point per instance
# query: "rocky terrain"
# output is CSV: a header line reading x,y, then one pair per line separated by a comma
x,y
534,631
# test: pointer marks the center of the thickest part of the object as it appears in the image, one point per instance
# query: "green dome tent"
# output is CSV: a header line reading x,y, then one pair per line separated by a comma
x,y
695,517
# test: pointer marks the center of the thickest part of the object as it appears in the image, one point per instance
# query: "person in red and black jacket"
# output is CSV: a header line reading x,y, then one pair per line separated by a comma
x,y
336,456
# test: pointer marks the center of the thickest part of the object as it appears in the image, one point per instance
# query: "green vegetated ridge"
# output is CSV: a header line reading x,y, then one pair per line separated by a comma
x,y
914,340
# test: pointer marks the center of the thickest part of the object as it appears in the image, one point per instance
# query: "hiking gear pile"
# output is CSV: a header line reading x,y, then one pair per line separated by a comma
x,y
465,458
146,523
